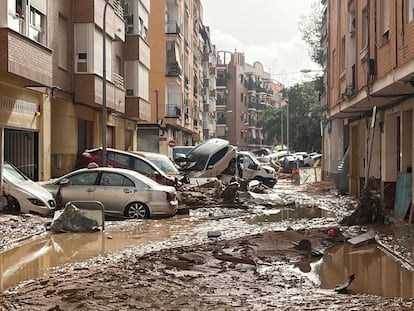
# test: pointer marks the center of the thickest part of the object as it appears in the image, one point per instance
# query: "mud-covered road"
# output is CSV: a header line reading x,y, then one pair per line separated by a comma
x,y
252,265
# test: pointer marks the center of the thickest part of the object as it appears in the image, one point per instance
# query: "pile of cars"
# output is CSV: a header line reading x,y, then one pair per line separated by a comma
x,y
137,184
285,161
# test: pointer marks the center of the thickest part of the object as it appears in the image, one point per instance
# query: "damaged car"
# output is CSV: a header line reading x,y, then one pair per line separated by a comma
x,y
126,159
212,158
24,195
123,192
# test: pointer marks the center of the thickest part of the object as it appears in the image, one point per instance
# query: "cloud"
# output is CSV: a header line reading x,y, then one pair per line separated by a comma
x,y
266,31
282,59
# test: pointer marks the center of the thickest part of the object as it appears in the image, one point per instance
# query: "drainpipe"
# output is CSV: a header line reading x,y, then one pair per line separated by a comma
x,y
104,112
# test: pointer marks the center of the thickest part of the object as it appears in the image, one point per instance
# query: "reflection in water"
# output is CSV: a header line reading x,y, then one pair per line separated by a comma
x,y
276,215
375,272
32,259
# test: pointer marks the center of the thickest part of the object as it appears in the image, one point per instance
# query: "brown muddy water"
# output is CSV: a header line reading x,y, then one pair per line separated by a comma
x,y
376,272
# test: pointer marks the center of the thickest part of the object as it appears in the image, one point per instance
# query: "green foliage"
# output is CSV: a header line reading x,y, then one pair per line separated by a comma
x,y
311,27
304,118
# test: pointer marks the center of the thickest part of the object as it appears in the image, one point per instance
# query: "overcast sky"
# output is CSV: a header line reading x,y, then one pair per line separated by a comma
x,y
265,30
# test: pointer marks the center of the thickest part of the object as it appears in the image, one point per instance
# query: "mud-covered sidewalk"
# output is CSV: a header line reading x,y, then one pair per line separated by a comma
x,y
252,272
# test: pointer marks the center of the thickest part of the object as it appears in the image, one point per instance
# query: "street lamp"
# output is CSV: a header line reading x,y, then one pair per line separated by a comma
x,y
310,70
104,113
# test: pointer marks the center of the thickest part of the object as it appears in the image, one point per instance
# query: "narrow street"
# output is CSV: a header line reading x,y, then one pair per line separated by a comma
x,y
211,259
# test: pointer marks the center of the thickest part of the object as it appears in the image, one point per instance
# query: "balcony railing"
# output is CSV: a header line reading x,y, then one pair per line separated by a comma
x,y
173,111
221,82
172,28
252,104
222,120
118,80
173,70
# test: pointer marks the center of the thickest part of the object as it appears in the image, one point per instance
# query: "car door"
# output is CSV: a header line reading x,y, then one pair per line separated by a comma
x,y
114,190
80,187
248,166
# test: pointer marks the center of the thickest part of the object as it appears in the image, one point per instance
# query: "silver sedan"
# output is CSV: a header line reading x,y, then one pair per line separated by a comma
x,y
121,191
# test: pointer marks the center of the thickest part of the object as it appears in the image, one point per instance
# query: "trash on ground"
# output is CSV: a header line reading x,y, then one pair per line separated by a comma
x,y
73,219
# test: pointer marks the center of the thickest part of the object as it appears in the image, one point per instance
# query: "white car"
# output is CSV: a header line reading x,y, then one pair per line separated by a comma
x,y
305,159
123,192
24,195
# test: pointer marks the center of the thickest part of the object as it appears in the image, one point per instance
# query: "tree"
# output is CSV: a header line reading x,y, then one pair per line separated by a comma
x,y
311,29
304,118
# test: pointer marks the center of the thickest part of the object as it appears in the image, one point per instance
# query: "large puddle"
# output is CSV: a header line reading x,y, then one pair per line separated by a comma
x,y
375,271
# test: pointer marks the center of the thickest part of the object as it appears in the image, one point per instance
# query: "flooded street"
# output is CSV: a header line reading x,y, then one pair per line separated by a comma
x,y
209,259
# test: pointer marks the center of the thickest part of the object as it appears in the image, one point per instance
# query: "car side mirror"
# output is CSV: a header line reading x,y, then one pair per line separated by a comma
x,y
63,182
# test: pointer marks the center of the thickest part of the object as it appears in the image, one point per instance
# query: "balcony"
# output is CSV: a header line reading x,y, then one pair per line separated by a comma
x,y
221,101
173,70
88,90
252,105
222,120
173,111
118,80
221,82
172,28
137,109
25,58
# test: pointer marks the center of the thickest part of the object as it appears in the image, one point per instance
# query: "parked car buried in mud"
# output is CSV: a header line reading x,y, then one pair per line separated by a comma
x,y
123,192
24,195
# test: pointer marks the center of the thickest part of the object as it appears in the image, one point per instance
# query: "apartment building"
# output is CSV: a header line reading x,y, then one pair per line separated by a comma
x,y
61,63
370,88
242,92
178,40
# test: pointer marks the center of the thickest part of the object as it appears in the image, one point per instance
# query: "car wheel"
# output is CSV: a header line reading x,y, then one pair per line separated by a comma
x,y
12,204
137,210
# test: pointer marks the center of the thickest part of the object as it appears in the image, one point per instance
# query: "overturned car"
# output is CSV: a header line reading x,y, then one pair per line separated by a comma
x,y
216,157
211,158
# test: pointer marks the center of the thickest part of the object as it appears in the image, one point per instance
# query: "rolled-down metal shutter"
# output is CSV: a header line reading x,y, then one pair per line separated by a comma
x,y
148,140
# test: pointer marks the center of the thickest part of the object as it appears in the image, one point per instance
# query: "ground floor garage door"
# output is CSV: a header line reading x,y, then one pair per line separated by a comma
x,y
148,140
22,149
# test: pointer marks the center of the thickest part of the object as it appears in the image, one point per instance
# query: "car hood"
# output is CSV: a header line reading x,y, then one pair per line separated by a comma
x,y
29,189
267,167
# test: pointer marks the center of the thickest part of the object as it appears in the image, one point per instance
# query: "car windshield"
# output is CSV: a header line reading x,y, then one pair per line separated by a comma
x,y
12,174
164,164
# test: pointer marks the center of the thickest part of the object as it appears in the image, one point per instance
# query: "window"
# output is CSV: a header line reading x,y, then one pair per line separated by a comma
x,y
115,180
129,24
122,159
63,43
82,62
365,34
19,9
410,8
342,56
385,20
37,25
88,178
218,156
142,167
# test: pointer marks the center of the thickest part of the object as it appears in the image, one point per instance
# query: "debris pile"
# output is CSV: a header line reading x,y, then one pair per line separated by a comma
x,y
370,209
